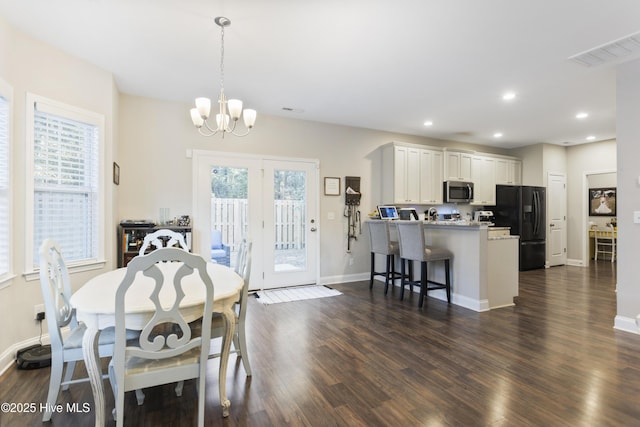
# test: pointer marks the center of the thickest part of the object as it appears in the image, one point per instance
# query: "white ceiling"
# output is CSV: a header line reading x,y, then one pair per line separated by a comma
x,y
380,64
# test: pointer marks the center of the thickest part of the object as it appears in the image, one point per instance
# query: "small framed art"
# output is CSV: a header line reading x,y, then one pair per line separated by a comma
x,y
602,201
331,186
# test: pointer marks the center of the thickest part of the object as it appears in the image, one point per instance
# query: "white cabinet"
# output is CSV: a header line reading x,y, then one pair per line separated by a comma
x,y
431,177
483,176
457,166
508,172
411,175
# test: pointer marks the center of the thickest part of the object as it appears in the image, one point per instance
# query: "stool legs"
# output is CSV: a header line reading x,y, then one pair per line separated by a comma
x,y
447,279
424,281
373,267
389,270
389,273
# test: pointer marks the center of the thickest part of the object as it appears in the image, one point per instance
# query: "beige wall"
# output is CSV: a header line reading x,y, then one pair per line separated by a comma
x,y
31,66
155,171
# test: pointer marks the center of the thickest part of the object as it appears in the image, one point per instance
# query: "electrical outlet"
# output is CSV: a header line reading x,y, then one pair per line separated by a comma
x,y
38,312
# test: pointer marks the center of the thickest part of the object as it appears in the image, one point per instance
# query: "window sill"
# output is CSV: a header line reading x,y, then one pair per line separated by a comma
x,y
72,268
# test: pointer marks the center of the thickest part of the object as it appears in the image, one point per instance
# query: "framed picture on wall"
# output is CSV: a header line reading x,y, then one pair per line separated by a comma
x,y
602,201
331,186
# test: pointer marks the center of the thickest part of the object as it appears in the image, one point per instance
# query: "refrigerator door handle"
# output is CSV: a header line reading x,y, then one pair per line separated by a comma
x,y
536,219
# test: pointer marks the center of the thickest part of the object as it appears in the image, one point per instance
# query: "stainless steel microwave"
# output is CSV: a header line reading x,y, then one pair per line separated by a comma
x,y
458,192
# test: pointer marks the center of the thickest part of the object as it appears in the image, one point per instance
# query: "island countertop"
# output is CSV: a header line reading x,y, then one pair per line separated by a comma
x,y
479,282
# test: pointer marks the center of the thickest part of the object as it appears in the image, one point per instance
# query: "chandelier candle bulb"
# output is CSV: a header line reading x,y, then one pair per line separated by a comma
x,y
196,118
235,108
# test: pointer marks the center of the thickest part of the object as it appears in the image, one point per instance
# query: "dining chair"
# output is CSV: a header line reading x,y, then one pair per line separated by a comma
x,y
163,238
605,242
243,268
413,247
161,355
65,349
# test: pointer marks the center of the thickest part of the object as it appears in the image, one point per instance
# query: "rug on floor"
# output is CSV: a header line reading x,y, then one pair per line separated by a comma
x,y
297,293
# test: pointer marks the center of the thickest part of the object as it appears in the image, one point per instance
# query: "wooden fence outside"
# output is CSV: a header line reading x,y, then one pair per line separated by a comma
x,y
231,217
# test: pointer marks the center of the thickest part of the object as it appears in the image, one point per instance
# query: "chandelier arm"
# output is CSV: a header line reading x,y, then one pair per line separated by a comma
x,y
205,133
209,128
241,135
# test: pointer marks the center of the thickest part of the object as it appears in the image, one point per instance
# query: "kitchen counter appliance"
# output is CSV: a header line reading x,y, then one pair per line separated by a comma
x,y
483,216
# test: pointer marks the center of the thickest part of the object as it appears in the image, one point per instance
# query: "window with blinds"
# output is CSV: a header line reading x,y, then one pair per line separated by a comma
x,y
65,182
4,186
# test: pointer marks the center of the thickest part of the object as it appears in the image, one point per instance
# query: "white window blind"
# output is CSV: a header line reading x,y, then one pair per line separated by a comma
x,y
65,182
4,186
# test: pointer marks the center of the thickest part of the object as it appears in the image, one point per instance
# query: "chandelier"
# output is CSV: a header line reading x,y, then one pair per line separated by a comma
x,y
229,110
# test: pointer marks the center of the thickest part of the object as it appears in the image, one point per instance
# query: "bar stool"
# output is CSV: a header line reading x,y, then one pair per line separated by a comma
x,y
381,243
413,248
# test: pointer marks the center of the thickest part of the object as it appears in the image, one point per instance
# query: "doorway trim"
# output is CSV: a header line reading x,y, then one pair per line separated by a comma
x,y
584,214
201,236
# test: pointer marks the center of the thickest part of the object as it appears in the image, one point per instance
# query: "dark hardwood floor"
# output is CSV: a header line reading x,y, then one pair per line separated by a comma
x,y
363,359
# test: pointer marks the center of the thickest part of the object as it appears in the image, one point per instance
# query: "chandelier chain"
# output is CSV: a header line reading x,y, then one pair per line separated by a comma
x,y
222,57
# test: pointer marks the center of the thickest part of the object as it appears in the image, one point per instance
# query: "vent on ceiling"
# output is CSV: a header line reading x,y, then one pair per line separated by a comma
x,y
612,52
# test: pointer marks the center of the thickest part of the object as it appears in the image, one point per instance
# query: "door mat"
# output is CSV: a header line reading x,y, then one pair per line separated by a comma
x,y
298,293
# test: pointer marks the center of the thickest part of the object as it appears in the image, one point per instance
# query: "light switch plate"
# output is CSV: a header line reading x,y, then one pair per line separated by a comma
x,y
636,217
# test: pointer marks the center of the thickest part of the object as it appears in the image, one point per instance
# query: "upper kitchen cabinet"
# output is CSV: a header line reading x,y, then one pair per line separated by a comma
x,y
411,175
483,176
508,171
457,166
431,177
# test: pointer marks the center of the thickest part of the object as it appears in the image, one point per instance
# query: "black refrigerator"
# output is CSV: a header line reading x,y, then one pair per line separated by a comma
x,y
523,209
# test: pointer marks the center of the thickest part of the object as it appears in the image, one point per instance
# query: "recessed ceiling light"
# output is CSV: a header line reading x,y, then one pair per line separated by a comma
x,y
591,138
428,123
497,135
509,96
582,115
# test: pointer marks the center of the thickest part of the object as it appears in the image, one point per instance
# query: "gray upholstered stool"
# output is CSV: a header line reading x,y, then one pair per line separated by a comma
x,y
413,248
381,243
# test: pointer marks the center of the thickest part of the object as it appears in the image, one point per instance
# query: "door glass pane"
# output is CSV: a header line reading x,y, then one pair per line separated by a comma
x,y
289,189
229,208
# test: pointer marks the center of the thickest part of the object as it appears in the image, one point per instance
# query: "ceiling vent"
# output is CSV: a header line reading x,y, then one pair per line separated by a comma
x,y
616,51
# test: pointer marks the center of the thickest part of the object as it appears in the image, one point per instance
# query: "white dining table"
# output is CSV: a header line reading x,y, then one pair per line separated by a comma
x,y
95,306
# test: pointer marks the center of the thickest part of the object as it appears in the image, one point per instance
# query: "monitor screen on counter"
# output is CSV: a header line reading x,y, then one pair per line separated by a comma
x,y
388,212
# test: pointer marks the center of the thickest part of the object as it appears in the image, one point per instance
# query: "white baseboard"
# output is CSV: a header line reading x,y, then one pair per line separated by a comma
x,y
626,324
347,278
575,262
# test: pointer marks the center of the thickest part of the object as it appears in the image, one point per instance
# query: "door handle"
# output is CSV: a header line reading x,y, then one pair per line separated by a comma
x,y
313,229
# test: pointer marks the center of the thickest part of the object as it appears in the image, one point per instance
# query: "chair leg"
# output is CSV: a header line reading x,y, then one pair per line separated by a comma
x,y
402,277
55,379
423,283
386,274
68,374
393,271
243,348
410,276
447,279
179,387
373,265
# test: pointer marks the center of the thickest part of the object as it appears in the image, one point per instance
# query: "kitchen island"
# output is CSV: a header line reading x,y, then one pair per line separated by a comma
x,y
484,268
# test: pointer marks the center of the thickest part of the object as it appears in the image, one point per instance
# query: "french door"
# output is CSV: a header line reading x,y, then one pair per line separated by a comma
x,y
271,202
